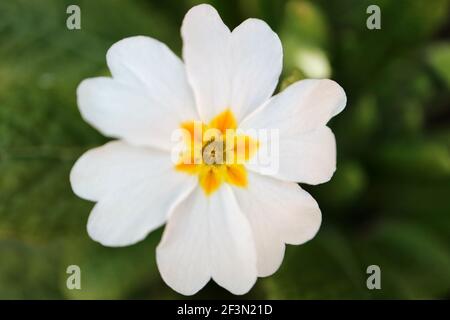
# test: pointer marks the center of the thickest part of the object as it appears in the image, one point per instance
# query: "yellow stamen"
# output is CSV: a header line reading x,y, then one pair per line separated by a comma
x,y
236,175
216,153
224,121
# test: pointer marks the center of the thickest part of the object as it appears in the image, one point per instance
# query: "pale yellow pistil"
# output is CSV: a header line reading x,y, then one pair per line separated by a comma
x,y
218,157
213,152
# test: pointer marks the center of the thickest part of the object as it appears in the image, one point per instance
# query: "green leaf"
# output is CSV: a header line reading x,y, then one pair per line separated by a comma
x,y
427,159
325,268
304,34
439,59
414,261
27,271
111,273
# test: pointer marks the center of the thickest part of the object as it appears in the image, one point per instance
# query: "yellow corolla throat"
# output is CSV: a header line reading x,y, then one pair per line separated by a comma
x,y
216,152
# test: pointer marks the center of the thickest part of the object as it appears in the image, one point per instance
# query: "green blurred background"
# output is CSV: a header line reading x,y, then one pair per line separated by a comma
x,y
388,203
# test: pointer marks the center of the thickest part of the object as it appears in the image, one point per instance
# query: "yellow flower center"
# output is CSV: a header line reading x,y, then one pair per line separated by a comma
x,y
216,152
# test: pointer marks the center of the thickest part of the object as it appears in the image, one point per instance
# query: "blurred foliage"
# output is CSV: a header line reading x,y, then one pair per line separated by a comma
x,y
388,203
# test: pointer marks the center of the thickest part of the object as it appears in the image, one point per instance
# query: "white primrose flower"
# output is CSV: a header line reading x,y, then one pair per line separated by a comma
x,y
226,220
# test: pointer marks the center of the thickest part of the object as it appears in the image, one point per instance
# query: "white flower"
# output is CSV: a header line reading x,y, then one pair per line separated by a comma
x,y
225,222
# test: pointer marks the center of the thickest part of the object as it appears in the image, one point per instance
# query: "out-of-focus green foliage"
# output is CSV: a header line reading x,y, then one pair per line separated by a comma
x,y
388,203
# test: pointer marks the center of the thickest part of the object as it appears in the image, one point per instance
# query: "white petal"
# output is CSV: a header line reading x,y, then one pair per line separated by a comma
x,y
238,70
279,212
150,64
206,41
301,107
208,237
147,98
135,188
309,158
303,148
120,111
257,57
